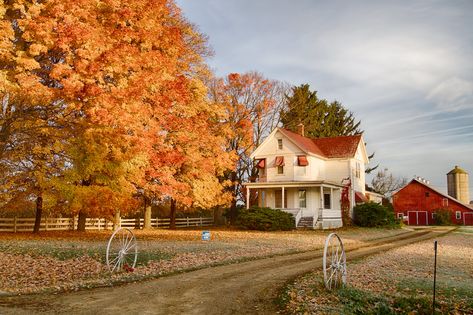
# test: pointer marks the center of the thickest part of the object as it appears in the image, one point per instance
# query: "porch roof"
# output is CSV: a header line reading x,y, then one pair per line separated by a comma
x,y
316,183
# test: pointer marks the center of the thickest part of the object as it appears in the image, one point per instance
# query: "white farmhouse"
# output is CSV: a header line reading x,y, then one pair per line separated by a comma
x,y
305,176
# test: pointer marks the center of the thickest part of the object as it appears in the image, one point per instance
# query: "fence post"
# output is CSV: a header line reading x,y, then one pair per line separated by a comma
x,y
200,220
46,224
157,222
187,221
14,225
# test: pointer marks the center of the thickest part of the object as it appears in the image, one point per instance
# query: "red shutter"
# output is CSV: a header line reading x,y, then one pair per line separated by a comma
x,y
279,161
302,160
261,163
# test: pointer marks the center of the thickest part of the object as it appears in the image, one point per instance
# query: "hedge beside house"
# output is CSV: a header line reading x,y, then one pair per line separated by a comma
x,y
265,219
372,214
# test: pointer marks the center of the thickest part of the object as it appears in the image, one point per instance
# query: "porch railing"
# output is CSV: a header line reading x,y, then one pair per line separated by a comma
x,y
296,213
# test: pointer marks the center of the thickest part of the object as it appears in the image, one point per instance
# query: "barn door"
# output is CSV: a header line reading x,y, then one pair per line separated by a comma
x,y
417,218
422,218
468,218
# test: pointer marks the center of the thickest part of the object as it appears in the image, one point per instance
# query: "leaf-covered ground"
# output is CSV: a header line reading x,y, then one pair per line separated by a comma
x,y
396,282
63,261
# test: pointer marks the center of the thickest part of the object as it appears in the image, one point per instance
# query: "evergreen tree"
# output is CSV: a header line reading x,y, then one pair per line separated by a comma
x,y
319,117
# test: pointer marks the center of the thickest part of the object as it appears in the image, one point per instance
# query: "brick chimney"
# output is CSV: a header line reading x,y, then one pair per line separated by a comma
x,y
300,129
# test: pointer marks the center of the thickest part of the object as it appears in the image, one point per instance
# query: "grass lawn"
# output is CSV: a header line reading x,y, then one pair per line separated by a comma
x,y
62,261
396,282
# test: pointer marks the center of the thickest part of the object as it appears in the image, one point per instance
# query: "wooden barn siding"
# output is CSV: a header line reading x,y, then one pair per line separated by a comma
x,y
412,198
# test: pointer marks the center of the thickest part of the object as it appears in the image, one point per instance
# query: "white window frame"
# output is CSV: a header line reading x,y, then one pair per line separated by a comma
x,y
280,168
445,202
302,200
458,215
400,215
330,200
280,144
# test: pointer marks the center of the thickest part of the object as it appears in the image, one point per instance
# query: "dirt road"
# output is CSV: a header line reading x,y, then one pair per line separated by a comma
x,y
243,288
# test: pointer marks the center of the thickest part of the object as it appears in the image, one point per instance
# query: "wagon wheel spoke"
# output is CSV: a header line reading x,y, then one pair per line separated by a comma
x,y
334,262
121,250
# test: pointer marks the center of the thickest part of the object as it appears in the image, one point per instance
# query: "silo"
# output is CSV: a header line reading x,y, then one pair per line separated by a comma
x,y
457,181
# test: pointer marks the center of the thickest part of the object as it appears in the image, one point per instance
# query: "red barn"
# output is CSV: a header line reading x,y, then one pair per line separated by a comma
x,y
417,202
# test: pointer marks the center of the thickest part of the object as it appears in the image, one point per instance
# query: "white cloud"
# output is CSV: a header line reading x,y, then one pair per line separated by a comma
x,y
453,94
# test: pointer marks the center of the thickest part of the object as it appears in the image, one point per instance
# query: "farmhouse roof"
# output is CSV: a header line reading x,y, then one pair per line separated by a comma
x,y
330,147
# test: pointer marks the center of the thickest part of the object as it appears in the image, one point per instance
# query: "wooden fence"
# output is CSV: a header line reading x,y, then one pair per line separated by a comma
x,y
61,224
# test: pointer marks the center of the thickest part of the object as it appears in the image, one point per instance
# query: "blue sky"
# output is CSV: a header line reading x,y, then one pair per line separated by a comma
x,y
405,68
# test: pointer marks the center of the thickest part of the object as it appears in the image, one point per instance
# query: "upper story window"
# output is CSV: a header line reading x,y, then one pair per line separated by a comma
x,y
445,202
261,165
280,169
279,163
358,170
279,144
427,194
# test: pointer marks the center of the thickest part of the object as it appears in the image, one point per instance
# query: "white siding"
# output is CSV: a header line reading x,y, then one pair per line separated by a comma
x,y
337,170
290,151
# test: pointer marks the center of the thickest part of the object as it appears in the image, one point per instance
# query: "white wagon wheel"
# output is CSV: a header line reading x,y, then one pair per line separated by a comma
x,y
122,250
335,262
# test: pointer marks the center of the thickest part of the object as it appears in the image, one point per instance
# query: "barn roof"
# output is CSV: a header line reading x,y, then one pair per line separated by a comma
x,y
330,147
436,191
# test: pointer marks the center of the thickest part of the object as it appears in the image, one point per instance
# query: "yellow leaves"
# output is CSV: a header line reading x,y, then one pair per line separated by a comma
x,y
36,49
25,63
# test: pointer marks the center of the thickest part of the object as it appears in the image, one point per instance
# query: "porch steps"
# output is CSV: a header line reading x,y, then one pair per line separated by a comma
x,y
306,222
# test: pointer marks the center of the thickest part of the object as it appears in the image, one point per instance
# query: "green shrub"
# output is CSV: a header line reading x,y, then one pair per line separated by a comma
x,y
265,219
371,214
443,217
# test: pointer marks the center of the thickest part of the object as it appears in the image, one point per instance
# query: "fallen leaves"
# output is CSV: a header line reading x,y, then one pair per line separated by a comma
x,y
401,278
67,260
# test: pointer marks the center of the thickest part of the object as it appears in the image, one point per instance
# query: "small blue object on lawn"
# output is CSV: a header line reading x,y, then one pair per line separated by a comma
x,y
206,235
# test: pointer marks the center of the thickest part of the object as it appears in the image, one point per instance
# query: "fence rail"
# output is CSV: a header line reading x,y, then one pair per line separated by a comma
x,y
61,224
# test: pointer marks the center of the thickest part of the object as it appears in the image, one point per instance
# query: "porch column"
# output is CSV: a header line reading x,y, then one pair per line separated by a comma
x,y
331,198
321,197
282,196
247,197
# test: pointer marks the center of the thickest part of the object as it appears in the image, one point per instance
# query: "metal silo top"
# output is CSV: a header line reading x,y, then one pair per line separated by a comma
x,y
457,170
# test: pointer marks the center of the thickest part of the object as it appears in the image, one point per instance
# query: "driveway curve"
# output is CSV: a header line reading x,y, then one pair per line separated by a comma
x,y
244,288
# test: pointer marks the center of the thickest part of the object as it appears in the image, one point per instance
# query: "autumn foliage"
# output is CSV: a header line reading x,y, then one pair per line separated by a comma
x,y
104,102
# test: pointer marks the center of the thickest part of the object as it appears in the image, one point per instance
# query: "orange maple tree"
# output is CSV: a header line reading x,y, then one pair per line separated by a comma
x,y
130,74
252,104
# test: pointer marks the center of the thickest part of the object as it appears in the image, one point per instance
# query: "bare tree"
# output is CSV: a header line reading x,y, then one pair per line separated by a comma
x,y
386,183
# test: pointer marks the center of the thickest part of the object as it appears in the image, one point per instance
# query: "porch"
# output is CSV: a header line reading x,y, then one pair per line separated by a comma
x,y
314,204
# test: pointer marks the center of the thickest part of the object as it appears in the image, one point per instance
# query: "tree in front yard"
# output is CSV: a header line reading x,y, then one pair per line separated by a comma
x,y
252,104
130,77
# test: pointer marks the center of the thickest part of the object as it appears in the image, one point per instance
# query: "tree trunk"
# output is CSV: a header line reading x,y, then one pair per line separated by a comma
x,y
137,220
81,221
116,220
147,217
172,222
233,213
39,213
